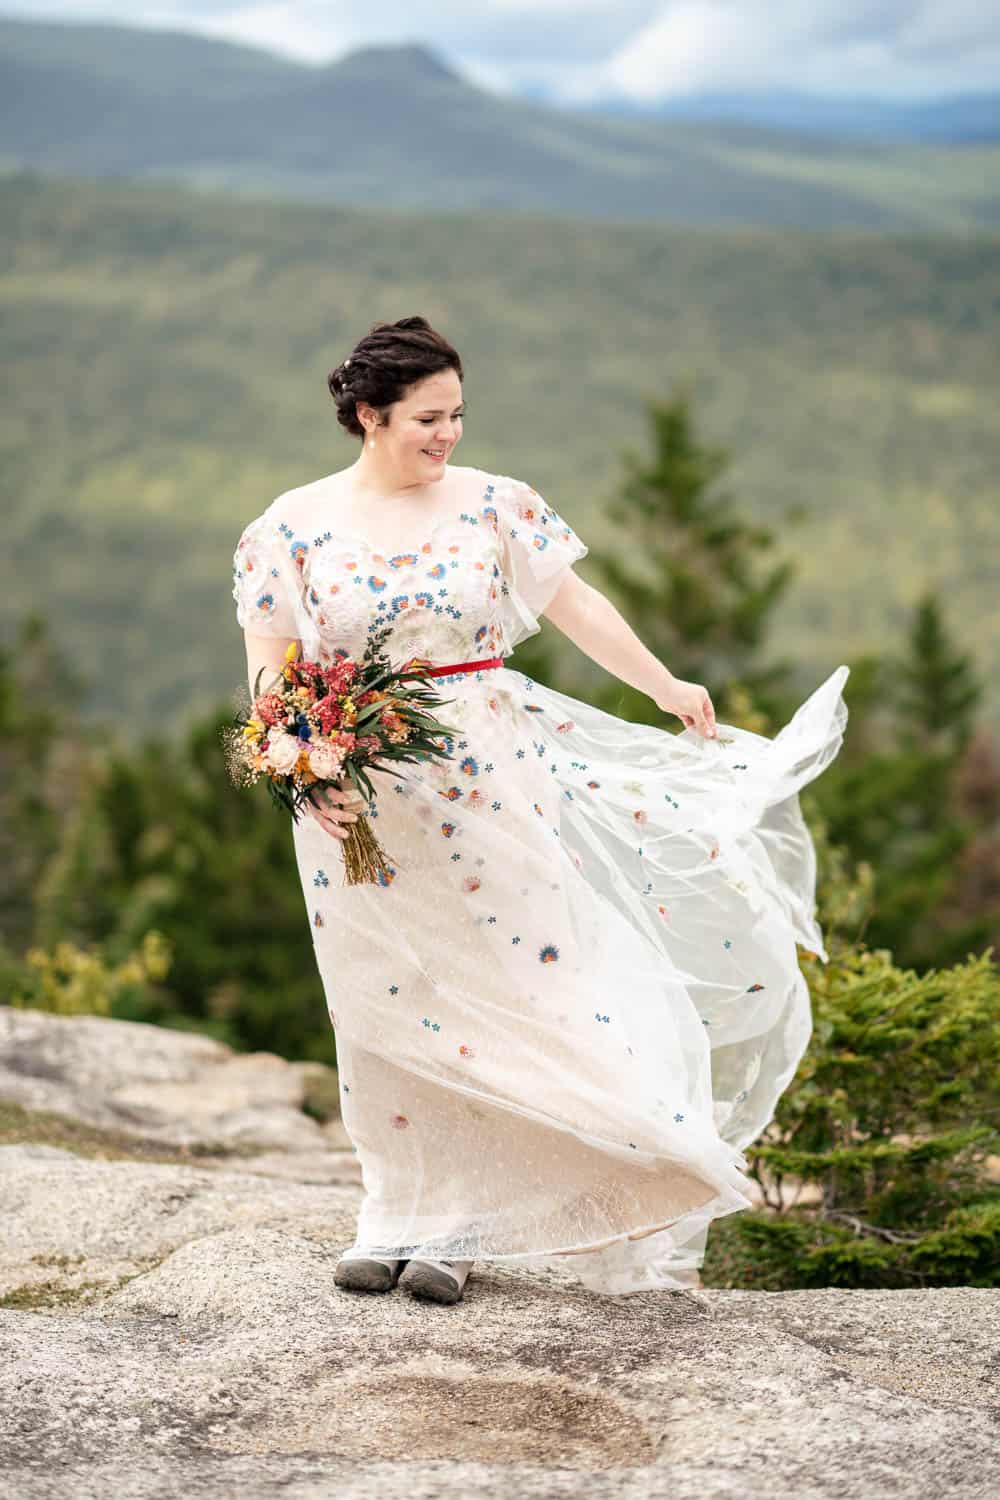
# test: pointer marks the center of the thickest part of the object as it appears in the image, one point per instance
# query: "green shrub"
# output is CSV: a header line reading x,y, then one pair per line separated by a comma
x,y
892,1121
74,981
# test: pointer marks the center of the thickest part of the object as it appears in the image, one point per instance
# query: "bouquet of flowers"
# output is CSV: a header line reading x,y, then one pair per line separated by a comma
x,y
318,726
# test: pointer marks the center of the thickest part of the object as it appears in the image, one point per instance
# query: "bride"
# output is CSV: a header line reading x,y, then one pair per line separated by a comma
x,y
575,998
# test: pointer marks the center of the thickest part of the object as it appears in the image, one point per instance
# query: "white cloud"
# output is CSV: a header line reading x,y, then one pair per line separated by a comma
x,y
897,48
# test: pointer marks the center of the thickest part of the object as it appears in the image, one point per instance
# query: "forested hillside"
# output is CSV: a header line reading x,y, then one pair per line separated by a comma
x,y
167,355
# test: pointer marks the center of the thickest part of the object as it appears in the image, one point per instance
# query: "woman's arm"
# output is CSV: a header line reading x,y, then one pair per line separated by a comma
x,y
593,624
265,651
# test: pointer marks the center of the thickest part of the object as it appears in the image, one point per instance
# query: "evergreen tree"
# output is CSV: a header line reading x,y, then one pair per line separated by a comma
x,y
897,805
936,689
691,575
161,840
39,743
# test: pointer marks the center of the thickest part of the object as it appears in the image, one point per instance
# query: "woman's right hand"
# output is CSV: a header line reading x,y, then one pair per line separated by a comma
x,y
333,810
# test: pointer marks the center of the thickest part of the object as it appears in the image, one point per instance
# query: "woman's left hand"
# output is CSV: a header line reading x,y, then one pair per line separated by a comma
x,y
691,703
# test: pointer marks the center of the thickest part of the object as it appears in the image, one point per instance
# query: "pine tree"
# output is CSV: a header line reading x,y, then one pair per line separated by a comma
x,y
898,806
691,575
39,740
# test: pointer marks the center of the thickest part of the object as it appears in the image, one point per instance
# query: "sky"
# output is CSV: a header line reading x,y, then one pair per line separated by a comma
x,y
641,50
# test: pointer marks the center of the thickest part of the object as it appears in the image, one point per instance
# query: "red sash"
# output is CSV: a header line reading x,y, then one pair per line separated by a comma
x,y
457,666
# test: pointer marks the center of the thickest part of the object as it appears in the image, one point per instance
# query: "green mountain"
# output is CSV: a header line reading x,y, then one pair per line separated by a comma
x,y
167,357
394,125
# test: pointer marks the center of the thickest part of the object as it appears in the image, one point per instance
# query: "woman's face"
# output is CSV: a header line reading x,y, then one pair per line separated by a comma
x,y
424,426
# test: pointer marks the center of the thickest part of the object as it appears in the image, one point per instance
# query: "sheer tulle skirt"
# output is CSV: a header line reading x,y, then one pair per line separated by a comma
x,y
576,998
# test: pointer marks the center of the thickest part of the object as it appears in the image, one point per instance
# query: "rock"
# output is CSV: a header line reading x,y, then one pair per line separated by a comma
x,y
173,1086
171,1327
114,1218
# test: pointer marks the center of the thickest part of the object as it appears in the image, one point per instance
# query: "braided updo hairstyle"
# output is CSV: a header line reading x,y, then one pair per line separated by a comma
x,y
380,367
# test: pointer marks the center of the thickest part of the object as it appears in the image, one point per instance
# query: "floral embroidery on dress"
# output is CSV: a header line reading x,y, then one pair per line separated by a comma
x,y
613,913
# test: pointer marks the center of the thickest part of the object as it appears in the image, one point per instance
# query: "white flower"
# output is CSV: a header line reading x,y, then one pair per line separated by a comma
x,y
282,751
325,760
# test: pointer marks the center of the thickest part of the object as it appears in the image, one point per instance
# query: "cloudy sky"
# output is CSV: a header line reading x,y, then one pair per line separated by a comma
x,y
641,49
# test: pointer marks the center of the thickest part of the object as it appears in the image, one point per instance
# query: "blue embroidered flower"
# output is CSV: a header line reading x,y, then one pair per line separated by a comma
x,y
548,954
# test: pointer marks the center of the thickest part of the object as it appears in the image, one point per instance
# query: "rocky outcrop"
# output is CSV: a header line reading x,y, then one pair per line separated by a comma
x,y
171,1217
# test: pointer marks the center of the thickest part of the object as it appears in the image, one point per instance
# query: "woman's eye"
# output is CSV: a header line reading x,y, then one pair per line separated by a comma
x,y
426,421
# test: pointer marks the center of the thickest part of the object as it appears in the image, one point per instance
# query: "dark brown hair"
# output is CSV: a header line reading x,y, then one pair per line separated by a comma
x,y
380,367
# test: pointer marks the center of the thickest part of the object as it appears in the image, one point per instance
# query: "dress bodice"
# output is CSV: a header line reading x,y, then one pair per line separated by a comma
x,y
473,586
442,596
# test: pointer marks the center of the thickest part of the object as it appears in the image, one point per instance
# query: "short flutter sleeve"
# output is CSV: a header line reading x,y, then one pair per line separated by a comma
x,y
538,548
260,584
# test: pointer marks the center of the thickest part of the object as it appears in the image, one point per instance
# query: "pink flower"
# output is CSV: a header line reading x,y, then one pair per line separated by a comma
x,y
325,760
270,708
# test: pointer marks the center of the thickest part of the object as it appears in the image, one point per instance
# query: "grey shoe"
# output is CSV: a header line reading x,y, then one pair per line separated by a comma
x,y
366,1273
437,1280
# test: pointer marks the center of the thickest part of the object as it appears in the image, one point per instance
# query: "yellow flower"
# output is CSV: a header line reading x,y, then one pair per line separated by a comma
x,y
292,652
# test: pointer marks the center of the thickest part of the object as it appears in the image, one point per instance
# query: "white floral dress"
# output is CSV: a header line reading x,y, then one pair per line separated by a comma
x,y
576,997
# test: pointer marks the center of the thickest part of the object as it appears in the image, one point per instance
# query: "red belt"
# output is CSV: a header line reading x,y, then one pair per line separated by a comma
x,y
457,666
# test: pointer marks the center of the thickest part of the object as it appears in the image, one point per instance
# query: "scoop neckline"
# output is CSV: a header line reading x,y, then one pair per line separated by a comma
x,y
325,531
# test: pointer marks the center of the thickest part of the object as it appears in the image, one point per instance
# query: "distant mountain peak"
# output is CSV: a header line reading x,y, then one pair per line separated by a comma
x,y
410,57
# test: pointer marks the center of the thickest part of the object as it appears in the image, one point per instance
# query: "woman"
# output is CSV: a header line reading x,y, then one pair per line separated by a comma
x,y
576,996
